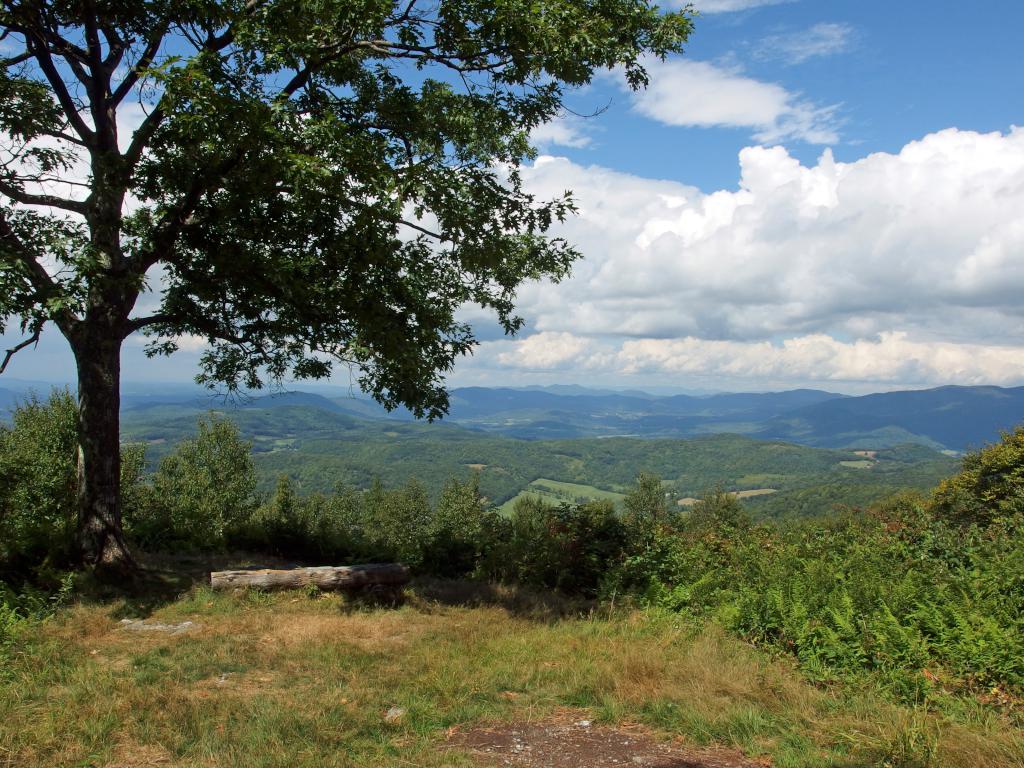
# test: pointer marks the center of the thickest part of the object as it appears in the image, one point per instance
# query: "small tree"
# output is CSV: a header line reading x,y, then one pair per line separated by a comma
x,y
311,181
719,510
397,523
201,491
456,538
38,481
645,509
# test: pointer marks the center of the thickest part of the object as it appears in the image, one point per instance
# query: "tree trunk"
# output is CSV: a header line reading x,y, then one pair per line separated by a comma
x,y
323,576
101,542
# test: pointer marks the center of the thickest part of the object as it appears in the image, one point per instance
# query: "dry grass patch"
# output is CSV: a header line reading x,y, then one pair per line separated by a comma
x,y
370,632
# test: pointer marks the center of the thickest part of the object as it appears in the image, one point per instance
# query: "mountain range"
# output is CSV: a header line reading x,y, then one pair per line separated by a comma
x,y
951,418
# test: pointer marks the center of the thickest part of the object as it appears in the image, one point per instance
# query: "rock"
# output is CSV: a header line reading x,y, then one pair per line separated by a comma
x,y
394,715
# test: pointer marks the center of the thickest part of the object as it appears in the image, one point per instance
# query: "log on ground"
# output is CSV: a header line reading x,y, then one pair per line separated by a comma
x,y
348,577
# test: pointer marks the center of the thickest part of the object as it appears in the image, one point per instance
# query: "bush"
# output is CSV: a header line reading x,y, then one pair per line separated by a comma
x,y
456,536
989,487
569,547
38,483
39,486
200,495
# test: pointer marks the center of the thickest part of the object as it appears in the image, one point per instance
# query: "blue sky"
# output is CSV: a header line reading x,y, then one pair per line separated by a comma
x,y
817,193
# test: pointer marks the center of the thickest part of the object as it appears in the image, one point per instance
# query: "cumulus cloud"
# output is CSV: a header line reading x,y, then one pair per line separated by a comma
x,y
890,359
696,93
824,39
904,267
543,351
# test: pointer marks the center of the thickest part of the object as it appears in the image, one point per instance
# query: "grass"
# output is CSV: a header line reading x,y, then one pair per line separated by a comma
x,y
556,491
294,679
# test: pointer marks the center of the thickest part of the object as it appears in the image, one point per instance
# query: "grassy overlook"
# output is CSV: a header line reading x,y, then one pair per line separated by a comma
x,y
889,635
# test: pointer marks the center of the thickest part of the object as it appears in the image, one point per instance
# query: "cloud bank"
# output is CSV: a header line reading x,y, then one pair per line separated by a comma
x,y
901,269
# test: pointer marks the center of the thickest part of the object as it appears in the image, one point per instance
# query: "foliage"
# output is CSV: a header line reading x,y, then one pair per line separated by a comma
x,y
199,494
22,610
39,485
566,547
456,537
719,510
989,487
897,593
38,482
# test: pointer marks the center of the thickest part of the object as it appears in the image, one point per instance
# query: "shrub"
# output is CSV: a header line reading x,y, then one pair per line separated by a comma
x,y
456,537
989,487
569,547
200,494
38,483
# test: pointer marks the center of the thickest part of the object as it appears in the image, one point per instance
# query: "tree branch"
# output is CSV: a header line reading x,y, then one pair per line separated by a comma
x,y
144,62
15,60
138,323
40,50
25,198
33,339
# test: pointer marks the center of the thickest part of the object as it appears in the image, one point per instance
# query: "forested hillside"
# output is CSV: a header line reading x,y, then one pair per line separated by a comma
x,y
320,448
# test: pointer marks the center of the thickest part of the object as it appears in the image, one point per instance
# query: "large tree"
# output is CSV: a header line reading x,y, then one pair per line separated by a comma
x,y
298,182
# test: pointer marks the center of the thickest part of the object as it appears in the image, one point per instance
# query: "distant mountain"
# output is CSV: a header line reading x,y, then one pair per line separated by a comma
x,y
542,413
8,399
951,417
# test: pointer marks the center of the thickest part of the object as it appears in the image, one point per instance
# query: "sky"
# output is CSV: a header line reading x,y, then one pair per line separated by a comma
x,y
817,193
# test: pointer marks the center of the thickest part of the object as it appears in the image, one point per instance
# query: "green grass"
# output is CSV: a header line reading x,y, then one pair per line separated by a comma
x,y
290,680
556,492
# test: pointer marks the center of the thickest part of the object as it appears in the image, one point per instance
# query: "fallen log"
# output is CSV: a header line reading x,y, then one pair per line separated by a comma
x,y
371,577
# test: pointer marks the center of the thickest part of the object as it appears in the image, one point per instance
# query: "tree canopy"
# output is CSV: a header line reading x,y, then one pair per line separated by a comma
x,y
300,182
315,181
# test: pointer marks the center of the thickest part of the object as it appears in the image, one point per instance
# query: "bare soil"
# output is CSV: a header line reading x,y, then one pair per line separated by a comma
x,y
572,741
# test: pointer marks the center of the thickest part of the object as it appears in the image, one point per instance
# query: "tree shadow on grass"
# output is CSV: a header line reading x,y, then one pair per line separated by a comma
x,y
164,578
542,606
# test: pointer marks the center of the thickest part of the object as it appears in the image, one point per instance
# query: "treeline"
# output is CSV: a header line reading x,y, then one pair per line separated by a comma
x,y
922,593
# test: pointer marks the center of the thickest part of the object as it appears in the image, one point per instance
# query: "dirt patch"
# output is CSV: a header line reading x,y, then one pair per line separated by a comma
x,y
579,743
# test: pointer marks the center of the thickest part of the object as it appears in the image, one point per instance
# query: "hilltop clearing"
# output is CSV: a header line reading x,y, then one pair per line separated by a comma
x,y
460,676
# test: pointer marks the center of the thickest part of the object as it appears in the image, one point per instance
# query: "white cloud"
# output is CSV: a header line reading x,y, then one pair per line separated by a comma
x,y
895,268
825,39
729,6
890,358
696,93
561,132
543,351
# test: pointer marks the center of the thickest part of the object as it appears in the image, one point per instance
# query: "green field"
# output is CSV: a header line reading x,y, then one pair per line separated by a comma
x,y
557,492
